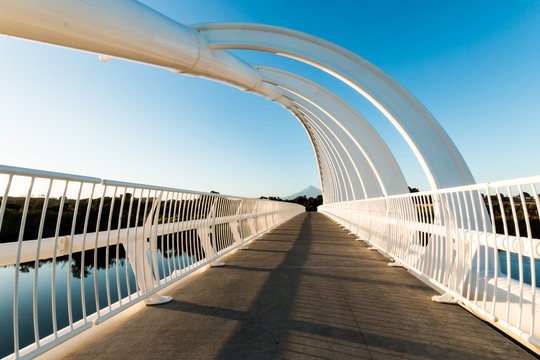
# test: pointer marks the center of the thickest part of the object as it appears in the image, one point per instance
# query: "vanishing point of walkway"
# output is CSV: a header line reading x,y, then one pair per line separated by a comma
x,y
306,290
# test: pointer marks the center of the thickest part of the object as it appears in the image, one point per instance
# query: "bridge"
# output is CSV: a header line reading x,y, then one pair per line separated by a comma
x,y
106,248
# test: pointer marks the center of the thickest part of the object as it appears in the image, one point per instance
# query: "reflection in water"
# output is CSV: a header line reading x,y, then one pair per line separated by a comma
x,y
80,278
96,279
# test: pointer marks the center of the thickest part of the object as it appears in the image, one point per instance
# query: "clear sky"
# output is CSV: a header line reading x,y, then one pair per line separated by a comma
x,y
474,64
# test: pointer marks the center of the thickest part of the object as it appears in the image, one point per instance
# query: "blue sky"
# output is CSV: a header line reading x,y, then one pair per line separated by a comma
x,y
475,65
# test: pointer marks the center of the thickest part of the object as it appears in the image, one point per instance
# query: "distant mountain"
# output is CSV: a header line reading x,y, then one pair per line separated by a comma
x,y
310,191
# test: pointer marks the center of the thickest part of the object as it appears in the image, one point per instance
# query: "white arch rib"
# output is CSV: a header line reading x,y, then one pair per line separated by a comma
x,y
366,142
343,160
331,169
347,162
441,161
130,30
327,167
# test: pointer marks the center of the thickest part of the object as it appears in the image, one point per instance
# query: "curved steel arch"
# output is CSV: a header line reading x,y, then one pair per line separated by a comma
x,y
332,159
367,142
343,159
336,165
316,151
130,30
363,177
440,159
327,167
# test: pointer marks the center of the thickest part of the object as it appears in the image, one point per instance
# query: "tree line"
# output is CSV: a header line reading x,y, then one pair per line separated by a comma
x,y
310,203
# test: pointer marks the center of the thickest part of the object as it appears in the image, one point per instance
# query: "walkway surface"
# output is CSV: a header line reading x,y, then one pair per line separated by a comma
x,y
307,290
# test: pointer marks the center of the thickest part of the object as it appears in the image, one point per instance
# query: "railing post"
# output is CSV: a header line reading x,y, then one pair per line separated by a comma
x,y
207,232
214,237
252,220
137,251
234,225
240,214
256,217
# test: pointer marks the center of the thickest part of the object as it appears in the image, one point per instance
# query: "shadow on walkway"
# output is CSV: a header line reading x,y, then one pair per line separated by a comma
x,y
307,290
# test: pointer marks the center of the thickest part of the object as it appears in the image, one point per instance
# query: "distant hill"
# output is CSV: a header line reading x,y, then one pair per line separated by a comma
x,y
310,191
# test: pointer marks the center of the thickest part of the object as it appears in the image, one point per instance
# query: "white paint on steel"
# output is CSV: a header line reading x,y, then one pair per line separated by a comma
x,y
344,158
443,237
361,133
194,217
439,157
335,160
130,30
329,159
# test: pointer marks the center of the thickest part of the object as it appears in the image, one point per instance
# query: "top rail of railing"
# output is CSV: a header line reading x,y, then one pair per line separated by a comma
x,y
51,175
14,170
529,180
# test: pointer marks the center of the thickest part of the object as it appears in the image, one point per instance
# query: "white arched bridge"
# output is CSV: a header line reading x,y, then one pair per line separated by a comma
x,y
101,248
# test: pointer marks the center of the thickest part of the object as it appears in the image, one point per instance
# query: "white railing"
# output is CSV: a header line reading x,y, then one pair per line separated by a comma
x,y
479,244
81,249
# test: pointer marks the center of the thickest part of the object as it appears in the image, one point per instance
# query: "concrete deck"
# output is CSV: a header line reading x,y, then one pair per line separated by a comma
x,y
307,290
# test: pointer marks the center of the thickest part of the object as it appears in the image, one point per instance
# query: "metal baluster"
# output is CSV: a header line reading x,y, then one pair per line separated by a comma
x,y
182,235
17,266
174,236
162,238
520,255
98,223
36,263
70,256
531,257
136,267
170,197
495,249
53,281
85,228
118,229
508,258
127,262
109,223
192,233
482,211
478,253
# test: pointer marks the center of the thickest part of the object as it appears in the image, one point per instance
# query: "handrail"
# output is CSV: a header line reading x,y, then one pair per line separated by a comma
x,y
139,238
479,244
75,242
15,170
479,186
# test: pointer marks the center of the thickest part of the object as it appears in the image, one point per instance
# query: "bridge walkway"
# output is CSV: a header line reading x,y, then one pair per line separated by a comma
x,y
306,290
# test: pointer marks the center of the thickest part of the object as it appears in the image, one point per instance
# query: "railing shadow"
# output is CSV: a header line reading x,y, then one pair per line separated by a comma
x,y
303,310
